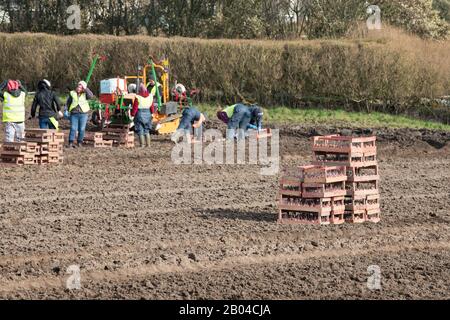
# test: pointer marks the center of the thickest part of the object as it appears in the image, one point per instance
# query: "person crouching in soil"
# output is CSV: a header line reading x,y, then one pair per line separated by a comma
x,y
237,117
191,120
78,107
256,119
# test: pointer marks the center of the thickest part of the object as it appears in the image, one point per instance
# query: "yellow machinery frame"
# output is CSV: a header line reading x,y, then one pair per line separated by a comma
x,y
168,125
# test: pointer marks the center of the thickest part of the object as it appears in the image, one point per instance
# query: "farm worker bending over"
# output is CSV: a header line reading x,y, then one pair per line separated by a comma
x,y
143,115
256,118
49,106
191,118
237,117
13,110
78,107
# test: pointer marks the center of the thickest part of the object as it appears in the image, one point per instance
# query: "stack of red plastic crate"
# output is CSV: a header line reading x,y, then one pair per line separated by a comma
x,y
341,185
359,155
51,145
313,195
120,135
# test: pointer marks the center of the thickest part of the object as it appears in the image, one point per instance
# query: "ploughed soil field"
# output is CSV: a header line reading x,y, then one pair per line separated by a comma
x,y
141,227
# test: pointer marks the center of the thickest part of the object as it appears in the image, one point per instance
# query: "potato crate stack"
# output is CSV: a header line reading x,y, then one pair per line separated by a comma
x,y
96,140
313,195
20,153
340,186
359,156
39,147
50,144
120,135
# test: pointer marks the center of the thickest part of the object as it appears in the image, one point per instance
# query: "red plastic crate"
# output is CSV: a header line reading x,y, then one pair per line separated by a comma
x,y
362,188
338,204
320,205
344,144
300,217
321,174
323,190
363,173
337,217
356,216
295,173
290,187
344,159
373,215
355,203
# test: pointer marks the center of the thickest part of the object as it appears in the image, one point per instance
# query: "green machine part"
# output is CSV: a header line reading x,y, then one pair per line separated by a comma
x,y
158,96
125,117
189,100
92,68
96,105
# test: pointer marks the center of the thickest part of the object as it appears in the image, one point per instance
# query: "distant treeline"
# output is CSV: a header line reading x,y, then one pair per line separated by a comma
x,y
389,74
244,19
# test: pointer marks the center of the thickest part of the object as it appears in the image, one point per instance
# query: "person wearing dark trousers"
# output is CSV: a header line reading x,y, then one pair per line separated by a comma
x,y
143,116
191,119
237,117
49,106
78,107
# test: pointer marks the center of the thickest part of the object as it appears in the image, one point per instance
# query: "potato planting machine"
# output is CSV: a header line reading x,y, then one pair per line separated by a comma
x,y
115,102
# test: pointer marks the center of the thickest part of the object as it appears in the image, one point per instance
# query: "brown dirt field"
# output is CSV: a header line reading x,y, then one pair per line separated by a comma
x,y
141,227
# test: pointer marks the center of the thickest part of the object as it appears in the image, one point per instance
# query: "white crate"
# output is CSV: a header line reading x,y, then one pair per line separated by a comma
x,y
110,86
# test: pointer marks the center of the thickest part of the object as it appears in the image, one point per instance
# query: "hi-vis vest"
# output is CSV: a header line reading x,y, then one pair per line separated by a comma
x,y
79,100
230,111
153,91
144,103
14,108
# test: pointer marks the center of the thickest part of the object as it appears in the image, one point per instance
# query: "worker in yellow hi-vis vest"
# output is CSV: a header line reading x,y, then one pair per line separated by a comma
x,y
237,117
13,110
78,108
143,115
49,106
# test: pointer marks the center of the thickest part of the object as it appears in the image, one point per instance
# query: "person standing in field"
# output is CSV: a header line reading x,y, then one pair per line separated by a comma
x,y
78,107
191,119
152,86
237,117
13,109
49,106
143,115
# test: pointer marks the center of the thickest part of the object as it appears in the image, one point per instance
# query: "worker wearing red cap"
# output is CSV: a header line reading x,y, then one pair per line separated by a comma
x,y
143,115
13,99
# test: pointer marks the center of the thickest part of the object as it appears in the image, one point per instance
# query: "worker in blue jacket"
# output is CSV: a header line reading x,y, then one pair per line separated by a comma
x,y
191,120
237,117
256,120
